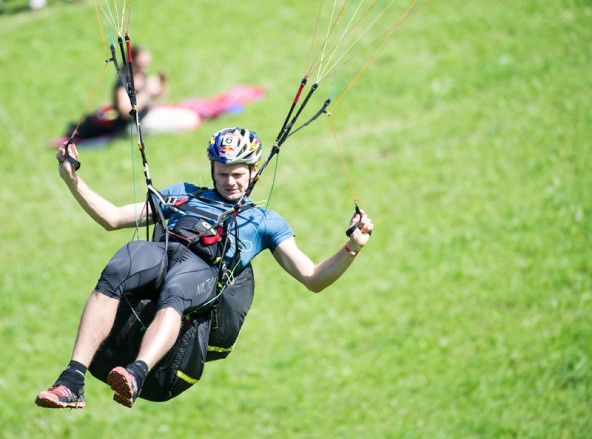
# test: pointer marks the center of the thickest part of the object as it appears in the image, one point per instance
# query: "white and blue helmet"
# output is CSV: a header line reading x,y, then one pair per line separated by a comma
x,y
235,145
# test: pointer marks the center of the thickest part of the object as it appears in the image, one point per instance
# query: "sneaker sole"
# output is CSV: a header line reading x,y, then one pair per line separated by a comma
x,y
50,403
122,388
123,400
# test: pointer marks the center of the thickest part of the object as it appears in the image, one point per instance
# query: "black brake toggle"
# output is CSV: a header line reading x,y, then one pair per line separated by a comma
x,y
351,230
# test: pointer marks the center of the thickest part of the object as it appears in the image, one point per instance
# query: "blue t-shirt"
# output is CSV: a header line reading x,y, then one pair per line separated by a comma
x,y
258,229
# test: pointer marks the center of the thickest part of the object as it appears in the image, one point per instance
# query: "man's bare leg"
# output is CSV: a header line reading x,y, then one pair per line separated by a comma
x,y
95,324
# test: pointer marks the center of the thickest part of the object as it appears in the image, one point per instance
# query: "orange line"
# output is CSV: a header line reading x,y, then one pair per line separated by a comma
x,y
314,37
388,35
90,99
316,61
101,29
347,176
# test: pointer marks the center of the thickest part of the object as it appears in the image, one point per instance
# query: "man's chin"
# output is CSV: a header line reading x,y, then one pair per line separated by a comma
x,y
232,196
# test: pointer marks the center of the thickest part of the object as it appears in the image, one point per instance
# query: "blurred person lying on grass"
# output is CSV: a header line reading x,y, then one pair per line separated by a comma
x,y
112,120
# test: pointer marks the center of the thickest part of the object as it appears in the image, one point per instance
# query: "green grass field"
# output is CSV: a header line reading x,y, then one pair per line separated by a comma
x,y
468,315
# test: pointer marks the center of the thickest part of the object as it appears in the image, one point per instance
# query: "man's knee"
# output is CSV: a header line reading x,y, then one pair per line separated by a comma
x,y
190,284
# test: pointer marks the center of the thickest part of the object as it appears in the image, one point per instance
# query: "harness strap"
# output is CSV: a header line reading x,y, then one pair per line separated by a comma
x,y
181,204
199,212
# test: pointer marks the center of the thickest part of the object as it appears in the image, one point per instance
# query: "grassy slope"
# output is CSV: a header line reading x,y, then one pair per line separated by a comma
x,y
467,315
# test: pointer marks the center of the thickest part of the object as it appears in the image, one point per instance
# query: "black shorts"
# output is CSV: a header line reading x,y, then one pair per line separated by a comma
x,y
173,276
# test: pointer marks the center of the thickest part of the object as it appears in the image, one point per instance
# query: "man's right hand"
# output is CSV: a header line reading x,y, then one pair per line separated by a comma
x,y
67,171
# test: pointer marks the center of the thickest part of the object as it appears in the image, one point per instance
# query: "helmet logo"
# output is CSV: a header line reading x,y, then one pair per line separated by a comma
x,y
227,147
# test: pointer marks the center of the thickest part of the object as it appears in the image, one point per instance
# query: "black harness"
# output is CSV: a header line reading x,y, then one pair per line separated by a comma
x,y
210,237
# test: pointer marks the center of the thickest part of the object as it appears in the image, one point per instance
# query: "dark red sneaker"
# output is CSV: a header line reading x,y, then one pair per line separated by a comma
x,y
60,397
124,385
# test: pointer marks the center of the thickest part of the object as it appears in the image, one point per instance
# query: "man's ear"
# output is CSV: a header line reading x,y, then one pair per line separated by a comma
x,y
254,169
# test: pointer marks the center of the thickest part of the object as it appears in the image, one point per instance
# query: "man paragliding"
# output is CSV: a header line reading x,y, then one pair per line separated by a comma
x,y
174,288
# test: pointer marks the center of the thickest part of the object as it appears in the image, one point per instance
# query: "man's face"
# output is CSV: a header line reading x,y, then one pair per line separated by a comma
x,y
232,181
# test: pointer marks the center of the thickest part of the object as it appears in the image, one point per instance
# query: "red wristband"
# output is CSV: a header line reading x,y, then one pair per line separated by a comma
x,y
350,251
